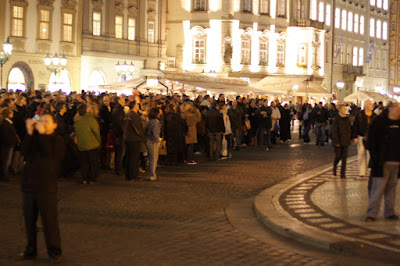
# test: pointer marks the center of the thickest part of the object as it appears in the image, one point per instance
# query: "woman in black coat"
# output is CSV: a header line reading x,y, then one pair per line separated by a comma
x,y
174,135
8,140
284,123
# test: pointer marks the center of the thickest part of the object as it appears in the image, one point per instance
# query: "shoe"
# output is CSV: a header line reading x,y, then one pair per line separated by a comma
x,y
224,157
84,182
392,218
56,259
25,256
192,163
93,182
152,178
370,219
343,176
334,172
267,149
197,153
141,170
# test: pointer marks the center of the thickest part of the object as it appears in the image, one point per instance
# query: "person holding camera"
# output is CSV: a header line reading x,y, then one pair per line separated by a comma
x,y
43,150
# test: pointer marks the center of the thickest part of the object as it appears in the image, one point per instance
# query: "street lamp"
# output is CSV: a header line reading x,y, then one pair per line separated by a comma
x,y
4,57
340,85
380,89
55,64
124,70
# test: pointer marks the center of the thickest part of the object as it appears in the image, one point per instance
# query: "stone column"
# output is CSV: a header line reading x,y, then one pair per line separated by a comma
x,y
86,17
110,19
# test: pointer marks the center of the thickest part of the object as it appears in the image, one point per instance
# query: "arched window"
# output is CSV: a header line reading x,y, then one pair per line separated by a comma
x,y
95,80
264,46
199,5
246,6
280,52
16,80
199,46
60,81
246,48
281,8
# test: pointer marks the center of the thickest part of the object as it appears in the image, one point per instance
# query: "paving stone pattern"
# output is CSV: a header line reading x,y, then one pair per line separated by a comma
x,y
298,202
178,220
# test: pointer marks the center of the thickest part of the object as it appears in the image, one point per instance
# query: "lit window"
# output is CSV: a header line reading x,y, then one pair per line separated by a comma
x,y
362,26
378,29
246,6
263,53
372,2
300,9
67,27
246,51
281,8
44,24
313,9
386,4
350,21
199,5
301,55
264,6
280,54
118,27
321,12
344,19
337,18
356,23
372,27
131,28
17,22
379,3
361,56
97,23
385,30
199,53
150,32
328,15
355,57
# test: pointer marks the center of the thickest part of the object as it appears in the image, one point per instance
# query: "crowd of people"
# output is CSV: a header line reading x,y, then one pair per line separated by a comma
x,y
139,132
45,135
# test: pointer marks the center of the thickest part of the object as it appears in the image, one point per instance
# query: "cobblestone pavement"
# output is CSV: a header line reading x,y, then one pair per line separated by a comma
x,y
177,220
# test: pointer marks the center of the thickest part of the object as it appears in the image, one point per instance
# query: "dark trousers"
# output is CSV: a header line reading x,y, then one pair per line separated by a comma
x,y
306,130
132,160
189,152
6,153
46,206
340,155
104,154
119,153
89,164
264,137
215,145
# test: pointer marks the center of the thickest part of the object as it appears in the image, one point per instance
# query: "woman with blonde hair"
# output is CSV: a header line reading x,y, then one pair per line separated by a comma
x,y
191,115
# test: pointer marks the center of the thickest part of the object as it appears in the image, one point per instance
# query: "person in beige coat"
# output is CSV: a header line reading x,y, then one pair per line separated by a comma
x,y
191,115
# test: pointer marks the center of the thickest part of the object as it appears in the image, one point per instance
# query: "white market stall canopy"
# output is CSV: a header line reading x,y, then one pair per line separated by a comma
x,y
366,95
279,84
133,83
216,84
313,88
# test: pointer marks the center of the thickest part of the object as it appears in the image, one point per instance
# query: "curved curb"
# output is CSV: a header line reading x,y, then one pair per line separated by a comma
x,y
269,211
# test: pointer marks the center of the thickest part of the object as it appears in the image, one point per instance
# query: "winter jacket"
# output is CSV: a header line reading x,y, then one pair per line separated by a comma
x,y
341,131
153,129
87,132
133,128
191,120
214,121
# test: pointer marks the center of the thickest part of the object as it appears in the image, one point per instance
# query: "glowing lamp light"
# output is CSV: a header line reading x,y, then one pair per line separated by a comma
x,y
63,61
118,67
56,60
295,87
7,47
131,67
47,60
162,66
125,67
340,84
152,82
396,89
380,89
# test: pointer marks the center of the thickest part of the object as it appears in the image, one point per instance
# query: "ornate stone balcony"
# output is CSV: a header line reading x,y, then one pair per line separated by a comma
x,y
307,23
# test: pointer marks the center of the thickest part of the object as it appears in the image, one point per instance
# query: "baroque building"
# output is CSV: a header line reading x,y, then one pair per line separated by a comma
x,y
37,28
394,65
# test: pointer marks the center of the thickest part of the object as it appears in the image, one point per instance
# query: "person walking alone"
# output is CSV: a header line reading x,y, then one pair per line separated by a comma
x,y
341,134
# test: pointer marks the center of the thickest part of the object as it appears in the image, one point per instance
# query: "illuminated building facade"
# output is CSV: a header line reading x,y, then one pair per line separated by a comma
x,y
394,40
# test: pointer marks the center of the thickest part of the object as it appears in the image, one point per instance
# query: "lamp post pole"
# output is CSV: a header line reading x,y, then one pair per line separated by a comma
x,y
55,65
332,39
4,57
